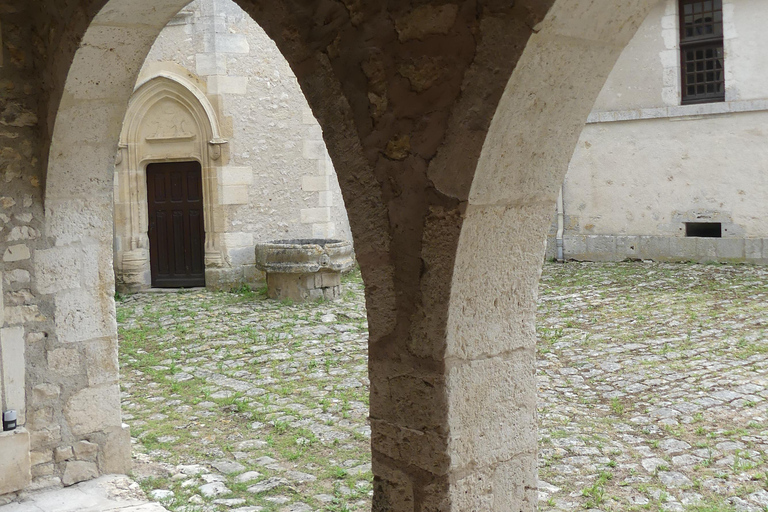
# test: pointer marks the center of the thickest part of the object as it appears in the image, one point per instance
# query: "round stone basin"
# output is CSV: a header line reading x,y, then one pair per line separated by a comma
x,y
304,269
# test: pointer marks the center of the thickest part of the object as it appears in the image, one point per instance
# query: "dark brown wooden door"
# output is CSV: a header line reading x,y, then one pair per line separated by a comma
x,y
176,229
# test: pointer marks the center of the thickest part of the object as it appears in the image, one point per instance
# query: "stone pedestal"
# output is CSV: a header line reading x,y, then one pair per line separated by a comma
x,y
135,274
15,462
304,269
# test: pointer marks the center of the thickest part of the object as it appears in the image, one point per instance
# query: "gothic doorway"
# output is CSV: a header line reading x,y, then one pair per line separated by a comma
x,y
176,228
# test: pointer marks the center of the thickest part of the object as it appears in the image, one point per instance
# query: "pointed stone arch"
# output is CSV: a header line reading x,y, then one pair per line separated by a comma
x,y
169,119
450,271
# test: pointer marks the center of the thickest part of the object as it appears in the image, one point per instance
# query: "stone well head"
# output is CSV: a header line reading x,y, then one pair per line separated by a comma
x,y
304,269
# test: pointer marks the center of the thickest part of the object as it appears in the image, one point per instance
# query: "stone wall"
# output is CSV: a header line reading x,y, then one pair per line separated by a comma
x,y
450,127
275,179
645,165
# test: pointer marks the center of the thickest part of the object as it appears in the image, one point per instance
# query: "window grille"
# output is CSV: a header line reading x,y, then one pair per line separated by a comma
x,y
701,51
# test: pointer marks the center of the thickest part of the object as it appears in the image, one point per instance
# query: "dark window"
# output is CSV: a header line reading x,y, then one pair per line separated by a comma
x,y
701,51
704,229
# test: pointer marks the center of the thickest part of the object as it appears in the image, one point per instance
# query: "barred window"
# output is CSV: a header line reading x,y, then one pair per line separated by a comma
x,y
701,51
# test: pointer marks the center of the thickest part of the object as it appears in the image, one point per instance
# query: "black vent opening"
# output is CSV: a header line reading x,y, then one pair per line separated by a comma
x,y
704,229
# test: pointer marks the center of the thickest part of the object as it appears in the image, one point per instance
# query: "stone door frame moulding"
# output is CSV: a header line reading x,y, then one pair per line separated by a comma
x,y
203,145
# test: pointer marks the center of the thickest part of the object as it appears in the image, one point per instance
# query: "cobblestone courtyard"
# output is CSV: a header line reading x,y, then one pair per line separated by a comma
x,y
652,393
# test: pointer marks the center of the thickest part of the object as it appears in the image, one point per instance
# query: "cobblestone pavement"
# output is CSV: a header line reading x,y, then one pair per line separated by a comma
x,y
652,389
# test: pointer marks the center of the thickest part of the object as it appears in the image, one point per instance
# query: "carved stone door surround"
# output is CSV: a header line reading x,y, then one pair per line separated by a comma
x,y
169,119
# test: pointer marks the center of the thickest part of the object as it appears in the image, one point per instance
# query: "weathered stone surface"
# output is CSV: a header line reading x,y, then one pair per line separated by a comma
x,y
79,471
15,472
63,453
101,361
64,361
16,252
93,409
85,450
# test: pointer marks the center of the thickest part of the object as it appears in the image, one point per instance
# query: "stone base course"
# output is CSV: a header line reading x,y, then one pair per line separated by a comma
x,y
661,248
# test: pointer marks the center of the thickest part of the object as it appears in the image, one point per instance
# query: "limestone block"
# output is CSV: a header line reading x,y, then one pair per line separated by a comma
x,y
730,249
234,194
407,398
683,248
72,220
79,471
323,230
93,409
312,215
41,483
84,450
93,75
45,437
17,252
79,174
17,276
84,314
63,453
236,176
44,393
492,404
655,247
314,149
235,239
116,450
574,246
43,470
41,457
40,417
325,199
495,488
101,361
227,84
232,43
601,247
210,64
753,251
493,297
315,183
706,249
12,357
627,246
393,488
17,315
240,256
57,269
424,449
15,469
64,361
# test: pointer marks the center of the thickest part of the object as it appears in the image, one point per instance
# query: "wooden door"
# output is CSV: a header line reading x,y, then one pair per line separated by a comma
x,y
176,229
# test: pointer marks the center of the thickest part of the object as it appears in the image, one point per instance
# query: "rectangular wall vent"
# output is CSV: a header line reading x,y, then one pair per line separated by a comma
x,y
704,229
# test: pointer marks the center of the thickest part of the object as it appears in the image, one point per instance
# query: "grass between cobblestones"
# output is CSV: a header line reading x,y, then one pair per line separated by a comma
x,y
239,402
652,393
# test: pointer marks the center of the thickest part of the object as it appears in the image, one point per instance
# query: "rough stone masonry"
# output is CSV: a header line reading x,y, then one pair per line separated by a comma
x,y
450,125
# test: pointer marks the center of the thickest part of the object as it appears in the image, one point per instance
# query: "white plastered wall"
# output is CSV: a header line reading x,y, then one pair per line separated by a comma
x,y
645,164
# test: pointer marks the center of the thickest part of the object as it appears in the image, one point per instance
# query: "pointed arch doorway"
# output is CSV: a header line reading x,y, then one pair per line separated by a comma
x,y
166,191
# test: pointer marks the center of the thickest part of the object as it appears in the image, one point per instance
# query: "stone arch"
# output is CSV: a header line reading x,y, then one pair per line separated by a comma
x,y
447,209
201,141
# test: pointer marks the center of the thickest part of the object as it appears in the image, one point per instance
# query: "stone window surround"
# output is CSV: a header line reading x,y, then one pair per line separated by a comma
x,y
132,162
671,92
